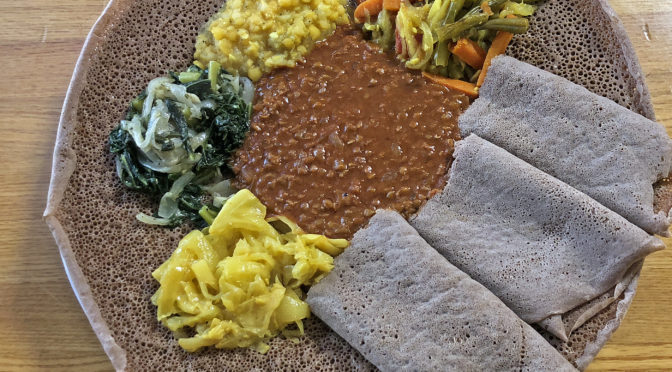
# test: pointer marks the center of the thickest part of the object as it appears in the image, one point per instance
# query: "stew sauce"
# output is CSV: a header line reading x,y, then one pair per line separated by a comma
x,y
344,133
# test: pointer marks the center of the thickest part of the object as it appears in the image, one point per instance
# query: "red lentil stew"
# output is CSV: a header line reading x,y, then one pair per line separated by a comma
x,y
347,132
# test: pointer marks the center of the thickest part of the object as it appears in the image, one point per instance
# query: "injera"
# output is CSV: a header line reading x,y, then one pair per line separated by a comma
x,y
537,243
562,325
108,256
605,150
405,308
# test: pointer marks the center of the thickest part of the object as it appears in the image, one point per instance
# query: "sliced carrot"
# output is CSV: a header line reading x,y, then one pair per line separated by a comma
x,y
470,52
462,86
499,44
485,7
368,8
392,5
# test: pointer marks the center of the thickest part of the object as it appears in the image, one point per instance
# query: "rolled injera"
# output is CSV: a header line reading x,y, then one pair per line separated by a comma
x,y
591,143
540,245
406,308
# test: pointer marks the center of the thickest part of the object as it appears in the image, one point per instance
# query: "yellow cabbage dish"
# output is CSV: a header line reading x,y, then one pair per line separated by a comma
x,y
238,282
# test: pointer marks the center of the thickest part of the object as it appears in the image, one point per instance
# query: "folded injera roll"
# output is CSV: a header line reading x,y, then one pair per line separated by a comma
x,y
404,307
540,245
590,142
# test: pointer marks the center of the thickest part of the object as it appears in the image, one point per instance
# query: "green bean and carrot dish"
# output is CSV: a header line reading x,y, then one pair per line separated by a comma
x,y
451,41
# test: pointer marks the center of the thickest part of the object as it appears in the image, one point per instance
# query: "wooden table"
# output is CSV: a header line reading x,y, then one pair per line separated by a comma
x,y
42,326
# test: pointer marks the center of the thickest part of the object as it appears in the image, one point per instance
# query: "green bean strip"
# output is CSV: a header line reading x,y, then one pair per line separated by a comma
x,y
455,68
455,6
454,30
512,25
474,77
481,35
442,54
436,16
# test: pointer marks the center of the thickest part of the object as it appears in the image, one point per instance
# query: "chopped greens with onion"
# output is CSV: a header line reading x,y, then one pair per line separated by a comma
x,y
177,139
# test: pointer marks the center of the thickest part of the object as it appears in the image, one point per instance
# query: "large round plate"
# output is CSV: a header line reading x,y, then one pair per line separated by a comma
x,y
109,256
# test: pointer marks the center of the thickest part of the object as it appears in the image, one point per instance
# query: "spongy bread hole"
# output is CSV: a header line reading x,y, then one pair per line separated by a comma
x,y
117,254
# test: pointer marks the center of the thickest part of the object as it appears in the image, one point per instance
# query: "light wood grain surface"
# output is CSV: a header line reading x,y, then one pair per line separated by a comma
x,y
42,326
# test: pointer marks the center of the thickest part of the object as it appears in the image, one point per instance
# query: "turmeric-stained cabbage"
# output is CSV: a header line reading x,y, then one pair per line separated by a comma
x,y
238,282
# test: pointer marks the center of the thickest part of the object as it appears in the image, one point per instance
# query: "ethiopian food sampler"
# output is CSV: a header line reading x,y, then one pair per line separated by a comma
x,y
344,123
344,133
